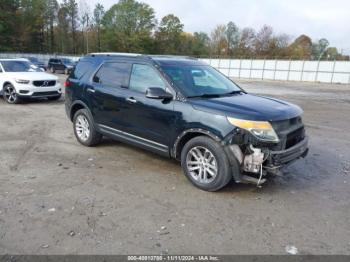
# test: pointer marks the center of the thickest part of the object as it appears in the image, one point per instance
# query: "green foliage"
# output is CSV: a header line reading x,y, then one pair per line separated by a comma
x,y
64,26
128,26
168,36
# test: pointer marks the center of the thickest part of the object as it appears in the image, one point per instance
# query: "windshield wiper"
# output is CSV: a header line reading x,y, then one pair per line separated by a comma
x,y
205,95
233,93
217,95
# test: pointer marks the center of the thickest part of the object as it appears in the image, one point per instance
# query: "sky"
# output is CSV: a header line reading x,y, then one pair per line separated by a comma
x,y
316,18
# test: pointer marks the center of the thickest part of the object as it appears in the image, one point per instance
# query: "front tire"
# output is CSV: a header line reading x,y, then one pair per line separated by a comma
x,y
205,164
84,129
10,94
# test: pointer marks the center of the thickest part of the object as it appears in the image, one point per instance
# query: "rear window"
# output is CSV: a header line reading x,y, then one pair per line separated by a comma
x,y
81,69
113,75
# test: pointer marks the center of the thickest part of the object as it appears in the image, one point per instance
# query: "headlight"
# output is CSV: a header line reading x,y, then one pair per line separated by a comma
x,y
21,81
260,129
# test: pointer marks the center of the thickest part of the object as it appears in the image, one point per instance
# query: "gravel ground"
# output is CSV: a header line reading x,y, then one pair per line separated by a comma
x,y
58,197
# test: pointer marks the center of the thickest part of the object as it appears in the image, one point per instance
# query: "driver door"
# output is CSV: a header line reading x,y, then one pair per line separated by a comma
x,y
150,119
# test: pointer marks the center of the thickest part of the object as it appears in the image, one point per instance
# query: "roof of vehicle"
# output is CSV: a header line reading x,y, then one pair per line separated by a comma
x,y
162,60
14,59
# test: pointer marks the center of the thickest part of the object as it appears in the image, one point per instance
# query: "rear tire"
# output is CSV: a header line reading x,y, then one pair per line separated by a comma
x,y
84,129
205,164
10,95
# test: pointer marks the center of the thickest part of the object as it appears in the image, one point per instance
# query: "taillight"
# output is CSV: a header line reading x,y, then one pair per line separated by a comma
x,y
66,83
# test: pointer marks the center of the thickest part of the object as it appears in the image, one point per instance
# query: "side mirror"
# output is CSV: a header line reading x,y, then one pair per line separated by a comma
x,y
96,79
158,93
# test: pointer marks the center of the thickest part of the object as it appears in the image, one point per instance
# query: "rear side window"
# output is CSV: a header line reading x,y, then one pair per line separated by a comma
x,y
113,75
81,69
144,77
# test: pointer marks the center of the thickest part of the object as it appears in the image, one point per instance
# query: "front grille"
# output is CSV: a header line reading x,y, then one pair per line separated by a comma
x,y
290,132
295,137
280,126
40,94
43,83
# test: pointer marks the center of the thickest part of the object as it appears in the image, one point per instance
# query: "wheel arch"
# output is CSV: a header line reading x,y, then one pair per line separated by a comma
x,y
186,136
6,83
76,106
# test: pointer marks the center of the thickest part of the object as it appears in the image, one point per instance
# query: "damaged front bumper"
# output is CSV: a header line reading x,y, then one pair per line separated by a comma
x,y
273,161
279,159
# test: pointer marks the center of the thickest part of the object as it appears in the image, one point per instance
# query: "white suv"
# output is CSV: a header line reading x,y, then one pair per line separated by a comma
x,y
21,79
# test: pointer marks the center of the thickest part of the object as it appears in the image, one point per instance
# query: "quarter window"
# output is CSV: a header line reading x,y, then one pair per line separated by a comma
x,y
81,69
144,77
113,75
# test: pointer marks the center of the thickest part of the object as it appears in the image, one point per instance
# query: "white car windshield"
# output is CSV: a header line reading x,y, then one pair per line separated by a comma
x,y
19,66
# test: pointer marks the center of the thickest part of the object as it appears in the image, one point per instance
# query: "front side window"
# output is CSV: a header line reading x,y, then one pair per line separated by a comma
x,y
200,80
19,66
143,77
113,75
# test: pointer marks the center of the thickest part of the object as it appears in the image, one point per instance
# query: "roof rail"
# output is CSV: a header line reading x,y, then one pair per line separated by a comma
x,y
174,56
114,54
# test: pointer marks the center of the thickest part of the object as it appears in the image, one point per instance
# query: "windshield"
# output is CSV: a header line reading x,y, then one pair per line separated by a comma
x,y
196,81
67,61
19,66
33,59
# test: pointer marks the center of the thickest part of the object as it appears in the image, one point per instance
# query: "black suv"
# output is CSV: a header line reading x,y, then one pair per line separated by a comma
x,y
64,65
184,109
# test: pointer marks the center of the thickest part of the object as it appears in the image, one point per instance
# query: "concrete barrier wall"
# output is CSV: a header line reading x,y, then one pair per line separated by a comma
x,y
284,70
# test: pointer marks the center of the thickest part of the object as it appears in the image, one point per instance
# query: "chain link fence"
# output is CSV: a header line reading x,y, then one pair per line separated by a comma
x,y
263,69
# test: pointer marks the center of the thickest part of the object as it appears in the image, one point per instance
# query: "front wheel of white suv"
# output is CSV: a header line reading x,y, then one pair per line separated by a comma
x,y
10,94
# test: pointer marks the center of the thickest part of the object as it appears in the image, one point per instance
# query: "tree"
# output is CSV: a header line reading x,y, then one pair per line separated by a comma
x,y
9,21
85,22
62,29
200,44
168,36
51,16
279,46
219,43
263,41
99,12
246,43
319,48
71,9
232,36
128,26
301,48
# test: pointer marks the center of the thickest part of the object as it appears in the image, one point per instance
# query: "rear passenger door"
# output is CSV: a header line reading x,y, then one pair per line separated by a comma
x,y
106,95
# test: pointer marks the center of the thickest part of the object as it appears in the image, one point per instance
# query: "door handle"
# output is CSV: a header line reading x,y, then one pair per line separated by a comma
x,y
131,100
90,90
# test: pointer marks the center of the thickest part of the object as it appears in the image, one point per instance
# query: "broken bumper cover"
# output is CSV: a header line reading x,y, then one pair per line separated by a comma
x,y
278,159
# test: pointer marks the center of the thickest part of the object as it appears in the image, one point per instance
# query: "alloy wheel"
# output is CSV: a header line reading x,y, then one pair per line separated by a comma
x,y
202,165
10,94
82,128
